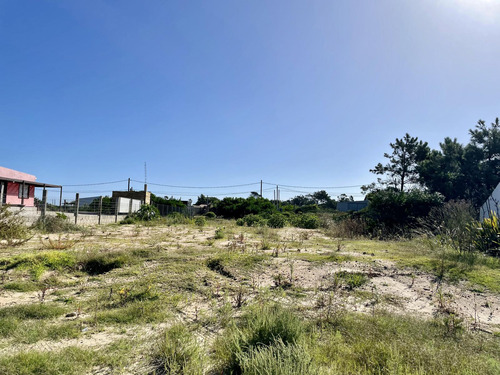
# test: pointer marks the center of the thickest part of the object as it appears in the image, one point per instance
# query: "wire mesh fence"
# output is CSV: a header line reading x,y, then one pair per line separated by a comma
x,y
168,209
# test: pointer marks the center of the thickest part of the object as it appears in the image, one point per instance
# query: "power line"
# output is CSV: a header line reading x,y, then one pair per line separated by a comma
x,y
313,187
97,183
200,187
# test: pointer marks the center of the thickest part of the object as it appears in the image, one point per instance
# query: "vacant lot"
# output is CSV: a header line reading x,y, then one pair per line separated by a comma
x,y
218,298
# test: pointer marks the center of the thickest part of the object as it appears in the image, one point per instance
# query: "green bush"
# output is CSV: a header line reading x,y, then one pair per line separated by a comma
x,y
128,220
147,213
240,222
210,215
55,224
394,213
251,220
486,235
219,233
200,221
12,227
307,221
276,221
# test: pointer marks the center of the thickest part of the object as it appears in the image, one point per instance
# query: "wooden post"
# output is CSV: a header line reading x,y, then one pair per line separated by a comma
x,y
117,206
146,194
77,206
1,192
128,189
44,202
22,194
261,188
60,199
100,209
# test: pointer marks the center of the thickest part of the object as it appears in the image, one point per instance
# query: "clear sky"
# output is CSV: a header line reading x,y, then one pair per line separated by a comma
x,y
209,93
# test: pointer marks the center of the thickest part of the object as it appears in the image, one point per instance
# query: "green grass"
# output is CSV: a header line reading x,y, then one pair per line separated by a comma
x,y
32,311
388,344
21,286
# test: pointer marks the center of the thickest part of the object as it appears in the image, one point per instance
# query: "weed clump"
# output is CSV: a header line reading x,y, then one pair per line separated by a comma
x,y
260,336
55,224
12,228
178,353
200,221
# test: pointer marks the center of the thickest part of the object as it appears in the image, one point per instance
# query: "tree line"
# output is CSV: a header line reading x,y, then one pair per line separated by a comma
x,y
456,171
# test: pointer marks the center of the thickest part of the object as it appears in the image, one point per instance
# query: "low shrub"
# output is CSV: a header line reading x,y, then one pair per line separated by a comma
x,y
307,221
486,235
219,233
12,227
128,220
276,221
200,221
210,215
55,224
147,213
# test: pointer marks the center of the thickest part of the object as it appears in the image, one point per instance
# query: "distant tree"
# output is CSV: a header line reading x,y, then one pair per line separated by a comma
x,y
345,198
401,170
167,201
468,172
203,199
301,200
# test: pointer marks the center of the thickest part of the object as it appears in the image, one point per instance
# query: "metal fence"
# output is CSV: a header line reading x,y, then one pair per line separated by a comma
x,y
167,209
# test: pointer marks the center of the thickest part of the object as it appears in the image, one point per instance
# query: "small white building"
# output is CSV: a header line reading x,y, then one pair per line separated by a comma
x,y
492,204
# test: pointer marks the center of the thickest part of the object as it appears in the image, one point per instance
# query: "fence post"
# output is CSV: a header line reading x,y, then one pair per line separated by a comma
x,y
44,202
77,206
117,206
100,209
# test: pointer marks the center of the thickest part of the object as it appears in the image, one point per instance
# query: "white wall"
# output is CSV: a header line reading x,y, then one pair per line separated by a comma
x,y
124,205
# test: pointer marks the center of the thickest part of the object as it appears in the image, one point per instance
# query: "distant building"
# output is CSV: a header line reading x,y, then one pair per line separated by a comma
x,y
18,188
492,204
351,206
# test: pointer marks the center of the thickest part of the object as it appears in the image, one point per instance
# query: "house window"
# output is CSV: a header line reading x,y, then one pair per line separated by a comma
x,y
24,192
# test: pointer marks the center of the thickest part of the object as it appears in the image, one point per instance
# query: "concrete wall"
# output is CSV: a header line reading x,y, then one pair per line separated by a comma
x,y
30,214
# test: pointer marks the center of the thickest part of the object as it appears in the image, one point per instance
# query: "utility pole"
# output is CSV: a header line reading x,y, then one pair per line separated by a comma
x,y
261,188
128,189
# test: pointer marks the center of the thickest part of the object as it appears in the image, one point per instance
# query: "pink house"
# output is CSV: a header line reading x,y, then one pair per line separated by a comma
x,y
18,188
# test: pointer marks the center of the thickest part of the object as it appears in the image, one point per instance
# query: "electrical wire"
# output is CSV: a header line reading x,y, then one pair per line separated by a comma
x,y
200,187
97,183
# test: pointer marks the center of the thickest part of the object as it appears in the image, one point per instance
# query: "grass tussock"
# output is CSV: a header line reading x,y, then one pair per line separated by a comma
x,y
260,328
178,353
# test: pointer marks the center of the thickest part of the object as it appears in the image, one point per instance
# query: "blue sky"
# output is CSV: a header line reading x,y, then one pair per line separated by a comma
x,y
210,93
